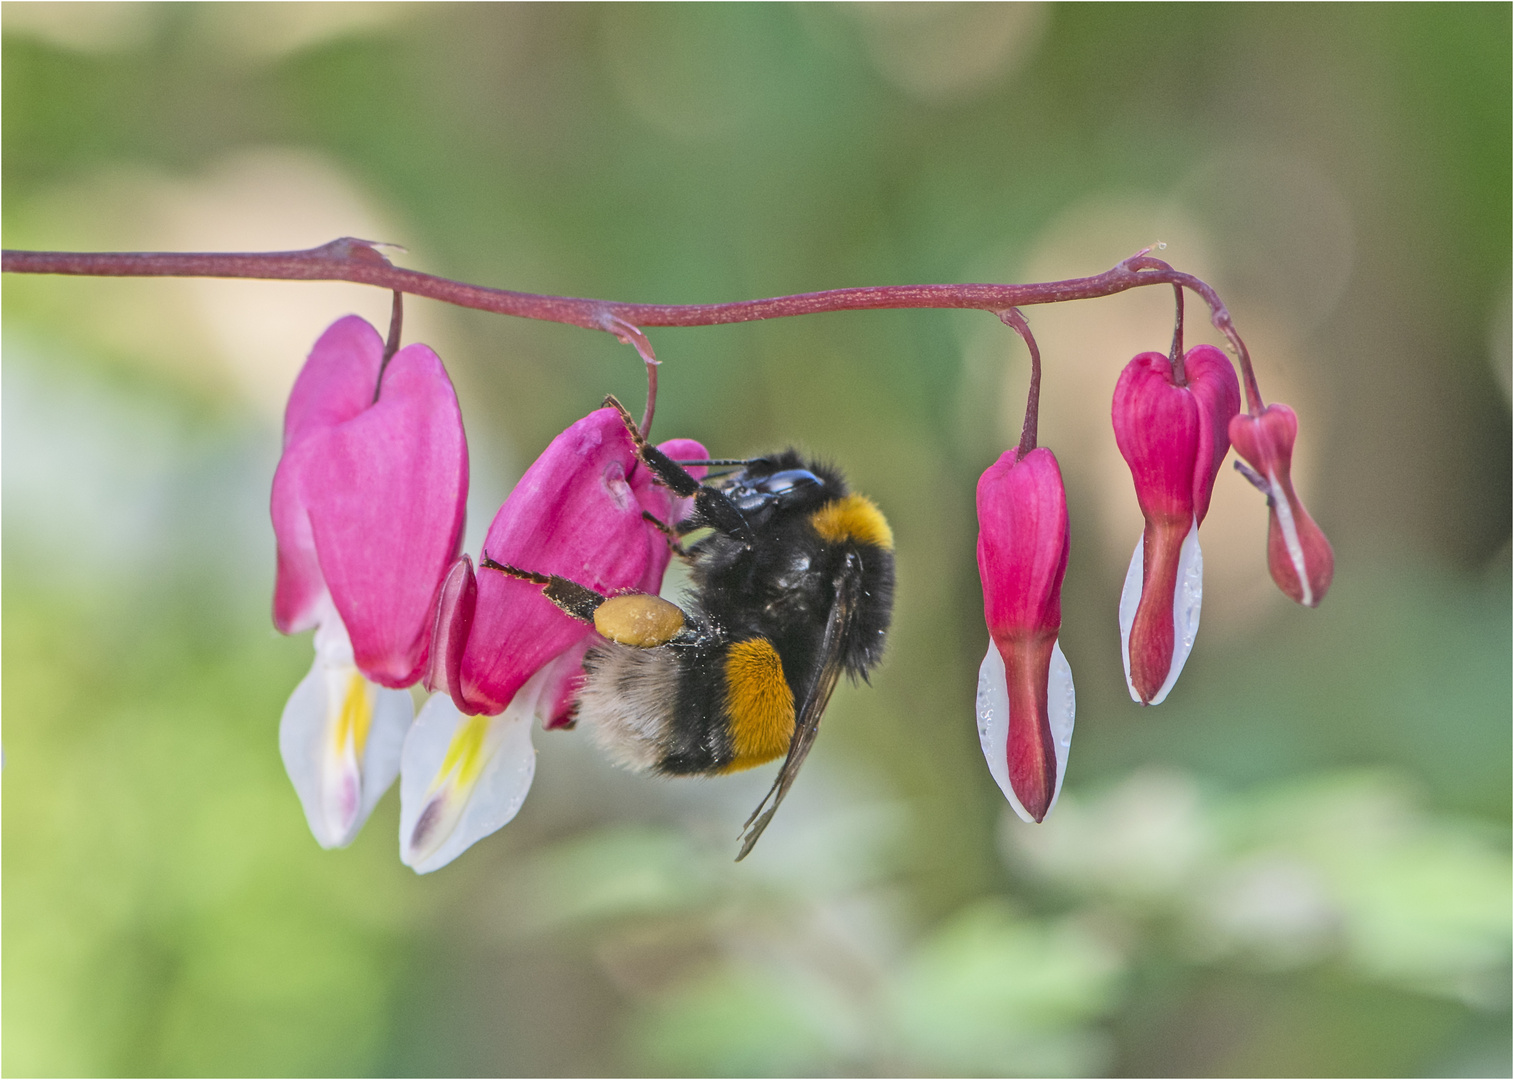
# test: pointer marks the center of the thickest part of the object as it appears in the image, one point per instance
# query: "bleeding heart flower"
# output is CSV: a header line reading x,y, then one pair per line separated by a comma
x,y
1298,554
503,653
1025,693
367,508
1173,435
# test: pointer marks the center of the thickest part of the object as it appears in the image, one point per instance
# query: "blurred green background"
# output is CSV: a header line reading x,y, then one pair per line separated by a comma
x,y
1298,865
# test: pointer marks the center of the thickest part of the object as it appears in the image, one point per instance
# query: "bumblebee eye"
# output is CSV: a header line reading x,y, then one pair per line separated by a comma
x,y
776,489
785,481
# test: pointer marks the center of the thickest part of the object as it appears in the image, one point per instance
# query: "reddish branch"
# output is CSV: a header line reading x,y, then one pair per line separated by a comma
x,y
359,261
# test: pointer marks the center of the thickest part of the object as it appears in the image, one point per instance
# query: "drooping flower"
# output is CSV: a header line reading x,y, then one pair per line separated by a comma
x,y
1173,435
502,653
1025,693
1298,554
367,509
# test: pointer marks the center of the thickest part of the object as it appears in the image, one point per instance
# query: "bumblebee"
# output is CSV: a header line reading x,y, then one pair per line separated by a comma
x,y
792,585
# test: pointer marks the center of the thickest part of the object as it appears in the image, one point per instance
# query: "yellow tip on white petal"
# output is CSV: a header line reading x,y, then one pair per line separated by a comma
x,y
340,738
349,715
463,777
451,787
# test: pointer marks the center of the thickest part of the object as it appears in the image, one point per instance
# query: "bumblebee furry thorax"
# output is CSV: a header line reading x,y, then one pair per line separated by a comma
x,y
793,585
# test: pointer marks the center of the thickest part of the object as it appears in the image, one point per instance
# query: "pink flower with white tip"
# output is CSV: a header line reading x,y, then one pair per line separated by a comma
x,y
367,509
1170,423
1298,554
503,654
1025,693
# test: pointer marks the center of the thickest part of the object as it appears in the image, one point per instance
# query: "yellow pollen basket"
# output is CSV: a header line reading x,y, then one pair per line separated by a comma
x,y
855,518
354,716
639,620
759,703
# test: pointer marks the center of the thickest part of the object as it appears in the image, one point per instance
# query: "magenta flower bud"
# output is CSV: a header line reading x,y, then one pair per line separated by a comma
x,y
567,677
577,512
503,654
1025,693
1174,438
369,496
367,508
1298,554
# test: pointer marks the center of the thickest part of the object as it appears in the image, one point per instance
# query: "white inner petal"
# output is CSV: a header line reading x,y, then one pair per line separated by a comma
x,y
464,805
332,645
993,720
1289,527
1130,600
341,794
1061,708
340,773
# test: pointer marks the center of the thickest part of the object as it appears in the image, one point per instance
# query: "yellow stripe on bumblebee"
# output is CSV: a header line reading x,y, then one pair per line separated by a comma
x,y
853,518
759,702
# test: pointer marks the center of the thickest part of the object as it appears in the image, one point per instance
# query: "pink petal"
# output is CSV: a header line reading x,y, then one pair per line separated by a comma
x,y
1030,750
386,492
1156,426
1217,393
335,385
564,682
298,586
1022,542
449,634
1299,555
1158,624
337,381
574,513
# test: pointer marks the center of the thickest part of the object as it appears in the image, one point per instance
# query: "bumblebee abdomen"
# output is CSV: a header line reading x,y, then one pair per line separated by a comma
x,y
679,710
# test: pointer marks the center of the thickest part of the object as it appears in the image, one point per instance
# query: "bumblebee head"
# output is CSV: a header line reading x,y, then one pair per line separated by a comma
x,y
783,484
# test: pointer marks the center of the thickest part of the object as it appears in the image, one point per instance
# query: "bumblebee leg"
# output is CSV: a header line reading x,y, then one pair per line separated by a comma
x,y
637,619
668,472
571,597
711,505
668,531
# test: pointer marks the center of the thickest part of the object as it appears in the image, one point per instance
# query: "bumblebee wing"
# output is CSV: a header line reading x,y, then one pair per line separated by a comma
x,y
817,696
